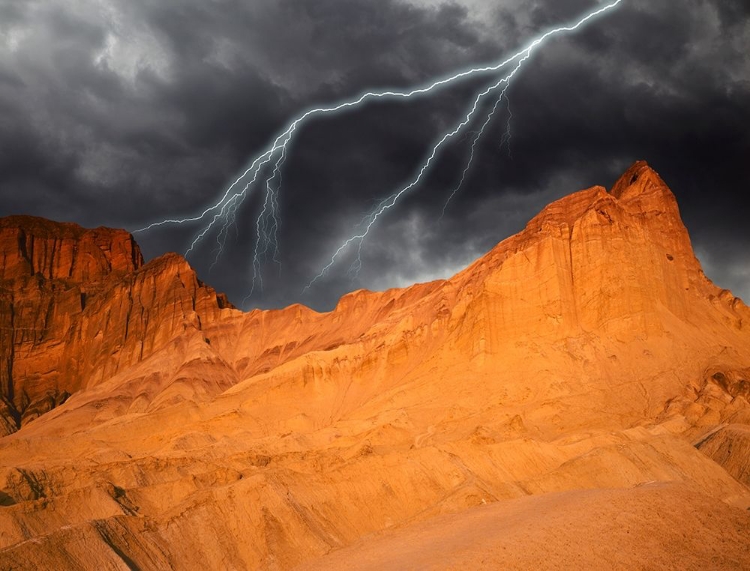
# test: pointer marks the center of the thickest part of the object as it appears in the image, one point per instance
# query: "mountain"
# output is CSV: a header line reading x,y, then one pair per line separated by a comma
x,y
582,389
77,306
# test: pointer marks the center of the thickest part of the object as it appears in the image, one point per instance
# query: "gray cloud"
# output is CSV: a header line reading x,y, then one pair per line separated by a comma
x,y
122,112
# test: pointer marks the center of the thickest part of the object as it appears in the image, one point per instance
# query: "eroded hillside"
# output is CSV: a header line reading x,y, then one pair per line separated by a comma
x,y
588,352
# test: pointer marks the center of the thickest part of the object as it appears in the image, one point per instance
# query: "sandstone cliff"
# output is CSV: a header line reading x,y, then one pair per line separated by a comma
x,y
78,305
586,362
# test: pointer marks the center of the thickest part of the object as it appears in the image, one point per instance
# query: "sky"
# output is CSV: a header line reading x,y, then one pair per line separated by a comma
x,y
125,112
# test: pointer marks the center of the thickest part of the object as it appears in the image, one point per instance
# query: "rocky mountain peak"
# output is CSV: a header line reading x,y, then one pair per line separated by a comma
x,y
63,251
77,305
639,179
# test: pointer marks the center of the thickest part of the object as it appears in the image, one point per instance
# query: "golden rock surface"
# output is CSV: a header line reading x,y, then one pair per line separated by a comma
x,y
576,398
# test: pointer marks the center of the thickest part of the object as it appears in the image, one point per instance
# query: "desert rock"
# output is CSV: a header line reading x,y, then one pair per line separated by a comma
x,y
582,382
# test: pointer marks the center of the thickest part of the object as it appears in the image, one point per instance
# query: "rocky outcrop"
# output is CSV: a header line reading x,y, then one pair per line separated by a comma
x,y
729,446
599,279
585,357
35,247
78,305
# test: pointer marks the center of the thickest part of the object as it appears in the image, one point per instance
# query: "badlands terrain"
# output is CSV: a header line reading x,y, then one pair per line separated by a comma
x,y
576,398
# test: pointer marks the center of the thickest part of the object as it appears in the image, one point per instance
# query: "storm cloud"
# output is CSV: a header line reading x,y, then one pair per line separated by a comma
x,y
121,113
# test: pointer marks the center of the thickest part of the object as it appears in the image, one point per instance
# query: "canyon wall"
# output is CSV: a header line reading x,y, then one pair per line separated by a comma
x,y
78,305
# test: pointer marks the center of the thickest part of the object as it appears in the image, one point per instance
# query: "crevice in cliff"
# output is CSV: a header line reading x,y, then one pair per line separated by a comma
x,y
128,315
110,542
22,250
11,353
48,317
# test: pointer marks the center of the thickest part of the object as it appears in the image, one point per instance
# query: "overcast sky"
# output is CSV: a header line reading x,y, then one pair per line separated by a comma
x,y
124,112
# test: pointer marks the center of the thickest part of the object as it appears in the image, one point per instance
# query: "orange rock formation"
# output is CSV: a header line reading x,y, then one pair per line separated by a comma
x,y
78,305
579,393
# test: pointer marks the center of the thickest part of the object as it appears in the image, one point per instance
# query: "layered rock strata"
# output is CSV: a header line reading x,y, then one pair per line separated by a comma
x,y
582,383
78,305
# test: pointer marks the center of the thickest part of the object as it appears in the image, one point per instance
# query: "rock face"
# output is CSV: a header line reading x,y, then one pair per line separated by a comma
x,y
57,251
78,305
586,362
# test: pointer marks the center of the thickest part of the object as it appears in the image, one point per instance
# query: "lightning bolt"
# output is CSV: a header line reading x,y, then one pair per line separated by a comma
x,y
477,137
267,225
507,135
222,214
391,201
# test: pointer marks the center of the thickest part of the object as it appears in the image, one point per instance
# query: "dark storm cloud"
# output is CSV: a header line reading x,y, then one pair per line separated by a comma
x,y
121,113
